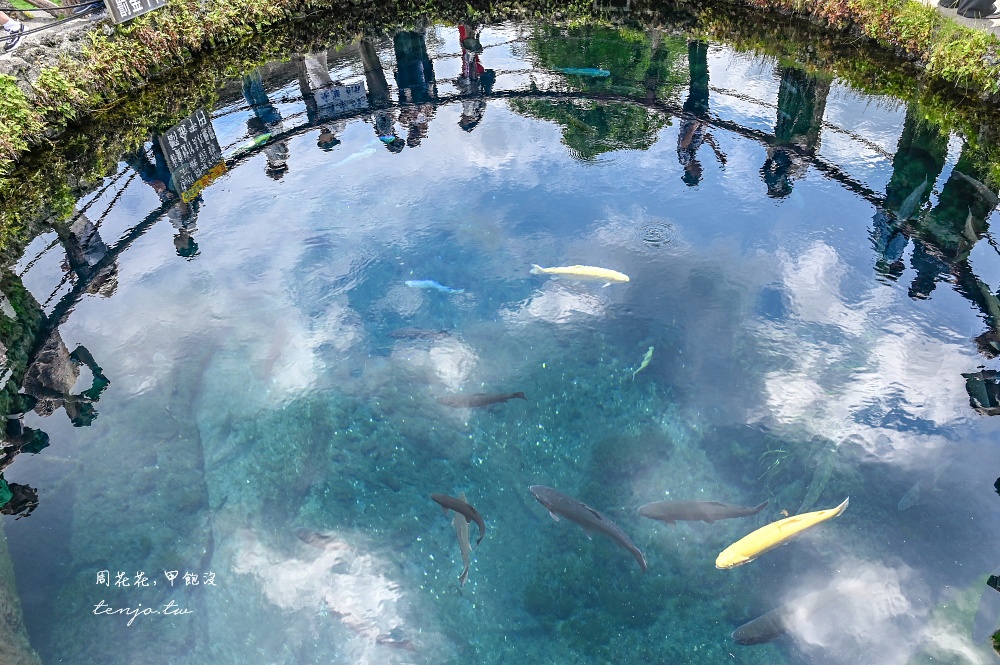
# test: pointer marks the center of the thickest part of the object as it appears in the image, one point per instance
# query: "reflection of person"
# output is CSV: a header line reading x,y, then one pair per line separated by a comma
x,y
325,99
416,120
983,388
266,120
693,130
17,499
16,437
183,216
945,235
919,159
801,104
414,68
415,78
23,500
53,373
378,97
475,78
84,250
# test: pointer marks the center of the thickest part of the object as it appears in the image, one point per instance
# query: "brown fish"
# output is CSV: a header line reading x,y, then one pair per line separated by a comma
x,y
477,399
461,507
560,504
672,512
462,532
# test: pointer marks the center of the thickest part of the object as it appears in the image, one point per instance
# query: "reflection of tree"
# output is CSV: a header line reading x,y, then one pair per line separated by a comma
x,y
634,58
591,128
646,66
378,97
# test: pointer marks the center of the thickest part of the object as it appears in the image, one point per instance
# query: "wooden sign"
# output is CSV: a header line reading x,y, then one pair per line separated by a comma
x,y
193,154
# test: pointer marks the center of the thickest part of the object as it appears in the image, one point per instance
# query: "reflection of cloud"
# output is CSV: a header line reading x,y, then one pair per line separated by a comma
x,y
813,283
949,642
447,361
556,304
337,579
883,616
865,618
905,373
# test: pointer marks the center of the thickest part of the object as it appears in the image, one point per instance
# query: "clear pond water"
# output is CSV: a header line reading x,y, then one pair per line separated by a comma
x,y
258,411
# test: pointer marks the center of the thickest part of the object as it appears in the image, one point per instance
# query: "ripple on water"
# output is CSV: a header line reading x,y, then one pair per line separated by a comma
x,y
656,234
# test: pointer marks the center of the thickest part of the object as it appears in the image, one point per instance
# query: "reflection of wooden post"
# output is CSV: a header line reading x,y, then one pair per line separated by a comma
x,y
15,649
50,6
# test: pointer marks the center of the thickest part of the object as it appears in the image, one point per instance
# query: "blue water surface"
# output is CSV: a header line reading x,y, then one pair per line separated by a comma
x,y
808,346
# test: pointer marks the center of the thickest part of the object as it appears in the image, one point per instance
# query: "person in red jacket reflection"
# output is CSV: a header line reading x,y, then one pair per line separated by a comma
x,y
475,80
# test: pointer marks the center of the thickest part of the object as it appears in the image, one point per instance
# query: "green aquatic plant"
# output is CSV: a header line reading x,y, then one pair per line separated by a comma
x,y
5,494
771,460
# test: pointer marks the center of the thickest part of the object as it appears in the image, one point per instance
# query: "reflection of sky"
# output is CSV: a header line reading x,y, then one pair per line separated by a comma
x,y
904,368
300,281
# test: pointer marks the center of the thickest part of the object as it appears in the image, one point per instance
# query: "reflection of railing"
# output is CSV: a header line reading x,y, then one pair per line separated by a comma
x,y
830,170
871,145
64,307
66,304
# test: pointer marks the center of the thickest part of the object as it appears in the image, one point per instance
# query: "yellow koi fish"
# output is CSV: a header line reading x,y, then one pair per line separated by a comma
x,y
645,362
582,272
768,537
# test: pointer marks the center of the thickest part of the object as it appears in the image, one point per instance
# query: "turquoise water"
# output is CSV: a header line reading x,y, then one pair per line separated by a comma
x,y
812,299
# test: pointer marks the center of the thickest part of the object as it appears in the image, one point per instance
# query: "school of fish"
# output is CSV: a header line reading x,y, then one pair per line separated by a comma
x,y
563,506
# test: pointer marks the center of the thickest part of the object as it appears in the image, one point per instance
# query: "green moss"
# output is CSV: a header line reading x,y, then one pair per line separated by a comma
x,y
20,121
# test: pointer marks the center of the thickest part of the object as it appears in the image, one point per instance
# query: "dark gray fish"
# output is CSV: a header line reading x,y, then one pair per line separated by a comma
x,y
396,639
911,202
320,540
563,505
418,333
461,507
982,190
988,611
774,624
477,399
462,533
695,511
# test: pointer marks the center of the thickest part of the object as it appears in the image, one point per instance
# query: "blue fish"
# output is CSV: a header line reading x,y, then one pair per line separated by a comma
x,y
584,71
431,284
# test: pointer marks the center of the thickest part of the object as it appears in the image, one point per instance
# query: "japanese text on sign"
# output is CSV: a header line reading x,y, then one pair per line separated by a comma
x,y
192,152
126,10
